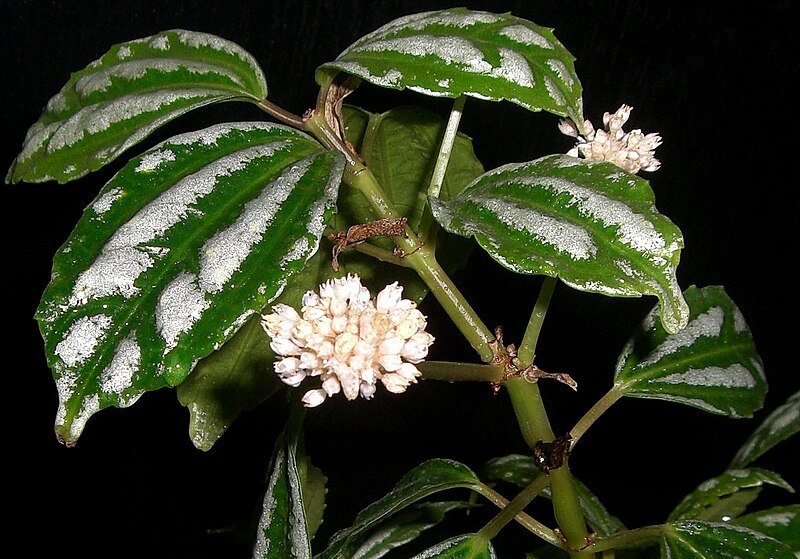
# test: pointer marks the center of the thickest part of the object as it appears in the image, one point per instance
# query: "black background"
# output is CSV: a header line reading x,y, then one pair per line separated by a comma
x,y
716,82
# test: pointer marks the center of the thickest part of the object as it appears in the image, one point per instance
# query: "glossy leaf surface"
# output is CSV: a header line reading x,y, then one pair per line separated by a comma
x,y
449,53
712,364
695,539
779,425
120,98
283,527
239,375
424,480
178,250
781,523
590,224
233,379
467,546
726,496
404,527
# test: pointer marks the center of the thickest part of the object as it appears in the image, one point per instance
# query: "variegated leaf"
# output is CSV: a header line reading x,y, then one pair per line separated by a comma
x,y
695,539
405,527
782,423
712,364
466,546
591,224
726,496
426,479
177,251
283,528
119,99
454,52
781,523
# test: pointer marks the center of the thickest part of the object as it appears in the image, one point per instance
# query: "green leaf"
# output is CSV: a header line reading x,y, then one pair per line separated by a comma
x,y
726,496
520,470
400,146
449,53
781,523
283,527
404,527
695,539
119,99
591,224
712,364
239,375
178,250
426,479
467,546
779,425
233,379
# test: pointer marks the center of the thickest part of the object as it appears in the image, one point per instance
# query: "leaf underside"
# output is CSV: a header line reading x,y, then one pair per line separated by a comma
x,y
178,250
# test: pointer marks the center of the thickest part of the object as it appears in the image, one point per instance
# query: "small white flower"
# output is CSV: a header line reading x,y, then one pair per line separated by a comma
x,y
633,151
348,340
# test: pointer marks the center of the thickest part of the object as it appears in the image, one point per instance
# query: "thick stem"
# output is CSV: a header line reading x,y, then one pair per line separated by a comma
x,y
535,426
423,260
453,302
525,397
529,409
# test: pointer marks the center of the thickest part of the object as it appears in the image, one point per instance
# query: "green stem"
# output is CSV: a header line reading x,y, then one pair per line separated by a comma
x,y
529,409
452,372
600,407
423,260
525,520
527,349
516,506
525,397
453,302
629,538
281,114
428,227
380,254
446,147
535,426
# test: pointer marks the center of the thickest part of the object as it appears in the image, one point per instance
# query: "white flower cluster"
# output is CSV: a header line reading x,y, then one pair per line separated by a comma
x,y
349,340
633,151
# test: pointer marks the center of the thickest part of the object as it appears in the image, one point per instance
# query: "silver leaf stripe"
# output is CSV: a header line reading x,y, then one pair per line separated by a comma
x,y
502,194
675,370
518,54
139,244
113,99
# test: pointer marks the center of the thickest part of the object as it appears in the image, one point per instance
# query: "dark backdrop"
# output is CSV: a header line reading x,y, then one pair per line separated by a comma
x,y
716,82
